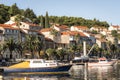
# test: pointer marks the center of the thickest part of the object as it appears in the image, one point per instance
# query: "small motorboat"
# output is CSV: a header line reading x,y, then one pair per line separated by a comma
x,y
102,62
37,65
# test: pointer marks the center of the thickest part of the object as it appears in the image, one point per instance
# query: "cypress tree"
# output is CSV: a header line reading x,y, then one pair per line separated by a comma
x,y
46,20
42,24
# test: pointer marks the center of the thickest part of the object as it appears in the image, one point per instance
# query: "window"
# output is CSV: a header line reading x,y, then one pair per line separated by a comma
x,y
37,62
9,30
23,25
71,38
12,31
0,37
16,31
5,30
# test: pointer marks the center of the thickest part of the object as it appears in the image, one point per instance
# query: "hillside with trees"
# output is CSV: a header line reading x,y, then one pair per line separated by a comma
x,y
7,11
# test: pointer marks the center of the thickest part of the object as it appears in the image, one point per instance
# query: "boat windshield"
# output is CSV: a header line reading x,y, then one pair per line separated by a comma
x,y
37,62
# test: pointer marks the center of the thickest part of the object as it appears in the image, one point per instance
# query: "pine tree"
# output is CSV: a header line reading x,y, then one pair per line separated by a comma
x,y
30,14
14,10
46,20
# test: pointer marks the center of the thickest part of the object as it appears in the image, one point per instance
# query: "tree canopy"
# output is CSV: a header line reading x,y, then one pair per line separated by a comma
x,y
7,11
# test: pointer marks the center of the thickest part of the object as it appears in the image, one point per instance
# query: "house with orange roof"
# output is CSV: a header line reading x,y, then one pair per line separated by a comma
x,y
10,29
101,30
49,43
98,28
73,37
61,27
79,28
110,38
56,39
64,38
101,43
47,32
26,27
84,30
7,31
114,27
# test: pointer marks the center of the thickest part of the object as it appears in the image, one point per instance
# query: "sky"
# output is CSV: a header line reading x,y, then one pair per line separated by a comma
x,y
103,10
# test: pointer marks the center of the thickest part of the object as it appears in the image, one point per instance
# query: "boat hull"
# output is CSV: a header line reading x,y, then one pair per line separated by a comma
x,y
102,64
58,69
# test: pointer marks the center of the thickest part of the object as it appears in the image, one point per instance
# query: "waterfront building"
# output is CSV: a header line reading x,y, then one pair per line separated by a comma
x,y
11,30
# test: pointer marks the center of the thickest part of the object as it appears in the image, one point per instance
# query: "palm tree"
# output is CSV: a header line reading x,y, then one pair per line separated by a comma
x,y
36,45
18,20
32,44
77,37
61,53
51,53
54,33
28,44
20,48
95,51
73,49
10,45
1,49
42,54
113,50
40,46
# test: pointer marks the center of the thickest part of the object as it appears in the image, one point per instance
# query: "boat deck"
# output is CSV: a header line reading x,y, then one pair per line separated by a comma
x,y
20,65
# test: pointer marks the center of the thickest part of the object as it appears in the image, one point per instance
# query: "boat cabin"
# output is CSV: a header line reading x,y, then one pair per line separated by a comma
x,y
102,60
43,63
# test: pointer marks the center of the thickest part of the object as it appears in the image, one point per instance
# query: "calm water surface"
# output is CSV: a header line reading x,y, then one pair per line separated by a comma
x,y
76,73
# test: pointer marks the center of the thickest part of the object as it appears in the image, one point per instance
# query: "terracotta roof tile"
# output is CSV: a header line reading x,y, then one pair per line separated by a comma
x,y
73,33
5,25
116,26
62,26
46,30
81,27
8,26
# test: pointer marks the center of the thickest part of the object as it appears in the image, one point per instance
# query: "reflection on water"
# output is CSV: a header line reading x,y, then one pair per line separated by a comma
x,y
76,73
18,76
101,73
96,73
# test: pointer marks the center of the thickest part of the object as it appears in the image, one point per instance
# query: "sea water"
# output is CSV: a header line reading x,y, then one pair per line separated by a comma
x,y
78,72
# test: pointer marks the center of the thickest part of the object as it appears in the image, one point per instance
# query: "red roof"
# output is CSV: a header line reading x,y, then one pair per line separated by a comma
x,y
62,26
73,33
116,26
8,26
46,30
81,27
5,25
